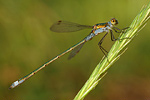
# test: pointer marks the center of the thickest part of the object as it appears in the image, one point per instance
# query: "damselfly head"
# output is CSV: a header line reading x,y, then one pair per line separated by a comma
x,y
114,21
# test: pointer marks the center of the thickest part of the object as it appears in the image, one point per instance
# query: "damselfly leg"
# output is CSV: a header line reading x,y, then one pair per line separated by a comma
x,y
117,30
105,52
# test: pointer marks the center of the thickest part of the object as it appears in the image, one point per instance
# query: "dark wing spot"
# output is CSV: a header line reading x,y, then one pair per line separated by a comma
x,y
59,22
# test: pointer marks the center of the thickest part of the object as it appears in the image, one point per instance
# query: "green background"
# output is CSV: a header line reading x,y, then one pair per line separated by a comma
x,y
26,43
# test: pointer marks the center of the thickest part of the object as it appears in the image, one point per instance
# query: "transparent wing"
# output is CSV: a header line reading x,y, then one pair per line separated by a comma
x,y
64,26
75,51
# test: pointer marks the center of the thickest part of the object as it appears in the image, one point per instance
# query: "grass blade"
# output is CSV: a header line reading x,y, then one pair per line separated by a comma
x,y
115,52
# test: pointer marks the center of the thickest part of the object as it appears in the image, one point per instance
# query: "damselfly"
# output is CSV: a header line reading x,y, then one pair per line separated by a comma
x,y
64,26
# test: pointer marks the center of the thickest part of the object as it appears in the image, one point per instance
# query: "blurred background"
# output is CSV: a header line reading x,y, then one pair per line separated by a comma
x,y
26,43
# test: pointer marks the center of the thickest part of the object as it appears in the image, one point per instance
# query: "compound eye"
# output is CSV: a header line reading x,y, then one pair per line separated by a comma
x,y
113,20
